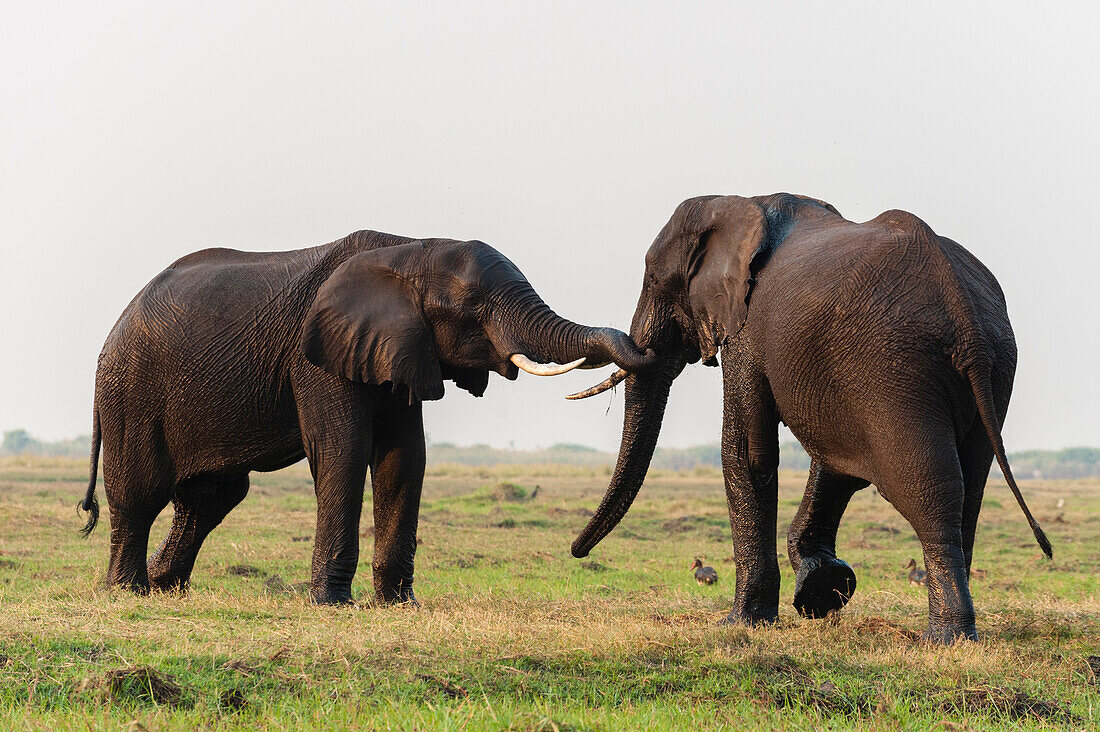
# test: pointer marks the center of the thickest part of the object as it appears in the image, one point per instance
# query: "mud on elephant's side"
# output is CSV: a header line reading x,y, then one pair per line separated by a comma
x,y
229,362
884,347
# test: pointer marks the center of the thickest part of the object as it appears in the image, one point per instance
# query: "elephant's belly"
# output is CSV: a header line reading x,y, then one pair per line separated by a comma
x,y
234,447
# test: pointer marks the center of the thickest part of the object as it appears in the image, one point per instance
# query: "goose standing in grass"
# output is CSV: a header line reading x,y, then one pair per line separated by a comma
x,y
704,575
916,574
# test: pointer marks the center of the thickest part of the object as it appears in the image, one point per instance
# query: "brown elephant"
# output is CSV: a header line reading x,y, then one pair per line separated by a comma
x,y
884,347
229,362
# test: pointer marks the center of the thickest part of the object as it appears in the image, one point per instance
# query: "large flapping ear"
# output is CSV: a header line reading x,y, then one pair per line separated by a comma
x,y
732,244
366,324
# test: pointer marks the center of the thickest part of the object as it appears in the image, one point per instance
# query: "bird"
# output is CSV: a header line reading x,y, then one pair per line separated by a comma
x,y
917,576
704,575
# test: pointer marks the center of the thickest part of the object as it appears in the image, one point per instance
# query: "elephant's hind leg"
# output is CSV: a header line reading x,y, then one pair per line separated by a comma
x,y
823,582
932,501
134,506
200,503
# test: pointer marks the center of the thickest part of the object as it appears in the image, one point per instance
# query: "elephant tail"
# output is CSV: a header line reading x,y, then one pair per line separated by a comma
x,y
983,396
90,504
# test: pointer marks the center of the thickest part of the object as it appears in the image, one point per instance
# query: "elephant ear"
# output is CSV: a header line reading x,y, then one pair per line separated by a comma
x,y
366,325
732,245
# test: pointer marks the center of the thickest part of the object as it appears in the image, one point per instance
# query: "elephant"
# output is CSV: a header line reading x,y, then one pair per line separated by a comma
x,y
229,362
885,348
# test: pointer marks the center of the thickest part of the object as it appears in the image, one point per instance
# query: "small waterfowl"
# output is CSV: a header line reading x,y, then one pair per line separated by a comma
x,y
704,575
917,576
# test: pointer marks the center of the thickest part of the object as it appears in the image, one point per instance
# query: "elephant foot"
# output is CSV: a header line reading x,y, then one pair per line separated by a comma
x,y
331,596
945,635
163,579
399,594
752,617
175,585
405,599
823,584
136,587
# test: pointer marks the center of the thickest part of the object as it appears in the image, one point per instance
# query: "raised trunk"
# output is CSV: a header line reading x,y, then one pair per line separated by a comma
x,y
646,397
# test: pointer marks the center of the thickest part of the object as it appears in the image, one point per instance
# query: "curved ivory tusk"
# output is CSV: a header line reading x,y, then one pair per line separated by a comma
x,y
601,387
543,369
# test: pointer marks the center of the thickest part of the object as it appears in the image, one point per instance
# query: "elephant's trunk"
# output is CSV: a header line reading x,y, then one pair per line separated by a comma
x,y
540,334
646,397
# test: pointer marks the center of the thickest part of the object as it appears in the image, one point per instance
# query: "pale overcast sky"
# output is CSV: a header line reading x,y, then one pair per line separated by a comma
x,y
564,134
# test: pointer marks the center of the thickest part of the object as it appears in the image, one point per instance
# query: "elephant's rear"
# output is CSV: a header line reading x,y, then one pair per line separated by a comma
x,y
873,372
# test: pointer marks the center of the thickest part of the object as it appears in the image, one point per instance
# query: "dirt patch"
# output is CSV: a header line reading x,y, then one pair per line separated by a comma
x,y
245,570
307,538
141,684
592,566
1001,702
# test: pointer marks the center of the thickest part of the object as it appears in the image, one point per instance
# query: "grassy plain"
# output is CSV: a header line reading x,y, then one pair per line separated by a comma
x,y
515,634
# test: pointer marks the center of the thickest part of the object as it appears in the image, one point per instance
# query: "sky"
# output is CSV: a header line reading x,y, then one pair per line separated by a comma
x,y
564,134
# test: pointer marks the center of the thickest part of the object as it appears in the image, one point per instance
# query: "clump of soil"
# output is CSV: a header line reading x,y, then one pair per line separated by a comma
x,y
246,570
232,700
1010,703
143,684
782,682
1094,668
508,492
594,566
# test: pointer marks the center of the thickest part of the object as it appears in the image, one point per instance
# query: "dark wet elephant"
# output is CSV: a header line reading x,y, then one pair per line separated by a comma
x,y
885,348
229,362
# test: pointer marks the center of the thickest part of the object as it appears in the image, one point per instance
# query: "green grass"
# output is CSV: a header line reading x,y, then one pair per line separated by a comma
x,y
515,634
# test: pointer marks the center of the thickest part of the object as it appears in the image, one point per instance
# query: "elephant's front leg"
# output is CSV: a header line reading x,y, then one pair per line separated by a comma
x,y
339,484
822,581
397,476
750,459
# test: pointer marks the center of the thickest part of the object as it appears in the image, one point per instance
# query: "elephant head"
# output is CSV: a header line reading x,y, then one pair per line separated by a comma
x,y
699,275
414,314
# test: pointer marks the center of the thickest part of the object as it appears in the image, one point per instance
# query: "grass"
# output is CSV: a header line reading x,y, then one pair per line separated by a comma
x,y
515,634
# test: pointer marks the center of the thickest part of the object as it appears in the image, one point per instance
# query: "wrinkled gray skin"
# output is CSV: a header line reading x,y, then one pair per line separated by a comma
x,y
885,348
229,362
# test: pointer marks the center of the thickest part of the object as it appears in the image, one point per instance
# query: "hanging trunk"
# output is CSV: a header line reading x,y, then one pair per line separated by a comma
x,y
646,397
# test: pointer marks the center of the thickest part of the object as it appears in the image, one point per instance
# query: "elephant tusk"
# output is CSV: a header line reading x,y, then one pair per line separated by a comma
x,y
601,387
543,369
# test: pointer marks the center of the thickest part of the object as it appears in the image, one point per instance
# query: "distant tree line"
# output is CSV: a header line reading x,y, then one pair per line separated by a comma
x,y
1072,462
19,442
